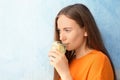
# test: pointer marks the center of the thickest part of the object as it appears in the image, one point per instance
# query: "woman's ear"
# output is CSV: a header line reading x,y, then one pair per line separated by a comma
x,y
85,34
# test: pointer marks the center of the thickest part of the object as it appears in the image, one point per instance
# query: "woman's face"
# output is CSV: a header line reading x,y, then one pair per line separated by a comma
x,y
70,33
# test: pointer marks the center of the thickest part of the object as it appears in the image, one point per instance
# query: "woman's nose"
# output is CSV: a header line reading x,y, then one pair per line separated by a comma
x,y
62,37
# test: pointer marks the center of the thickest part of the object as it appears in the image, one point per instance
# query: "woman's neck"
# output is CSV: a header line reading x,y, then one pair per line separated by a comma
x,y
82,52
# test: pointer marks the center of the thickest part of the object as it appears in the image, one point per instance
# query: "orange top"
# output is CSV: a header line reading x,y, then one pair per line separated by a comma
x,y
93,66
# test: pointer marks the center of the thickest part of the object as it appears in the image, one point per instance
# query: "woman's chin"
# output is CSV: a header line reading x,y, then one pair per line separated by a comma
x,y
69,49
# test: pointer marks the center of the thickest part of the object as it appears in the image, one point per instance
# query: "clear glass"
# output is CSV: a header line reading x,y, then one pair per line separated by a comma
x,y
59,46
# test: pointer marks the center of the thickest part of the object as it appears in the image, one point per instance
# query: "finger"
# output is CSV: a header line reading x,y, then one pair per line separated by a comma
x,y
57,51
54,53
52,58
52,61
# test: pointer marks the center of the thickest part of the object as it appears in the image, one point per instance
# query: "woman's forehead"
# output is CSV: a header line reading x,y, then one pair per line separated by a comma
x,y
64,21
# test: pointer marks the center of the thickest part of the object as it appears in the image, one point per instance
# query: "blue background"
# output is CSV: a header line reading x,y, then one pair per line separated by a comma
x,y
26,35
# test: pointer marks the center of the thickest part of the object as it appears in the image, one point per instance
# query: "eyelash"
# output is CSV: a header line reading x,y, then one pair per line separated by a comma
x,y
66,30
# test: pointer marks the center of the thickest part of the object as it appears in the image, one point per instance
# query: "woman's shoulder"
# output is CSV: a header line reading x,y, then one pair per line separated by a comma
x,y
101,65
94,56
99,56
98,53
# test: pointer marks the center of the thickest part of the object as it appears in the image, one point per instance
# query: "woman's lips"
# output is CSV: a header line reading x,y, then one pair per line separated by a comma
x,y
65,44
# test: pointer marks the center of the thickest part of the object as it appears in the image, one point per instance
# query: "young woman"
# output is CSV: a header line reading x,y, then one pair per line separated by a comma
x,y
86,57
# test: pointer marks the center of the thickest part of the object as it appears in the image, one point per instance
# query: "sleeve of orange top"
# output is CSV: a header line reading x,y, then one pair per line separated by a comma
x,y
101,69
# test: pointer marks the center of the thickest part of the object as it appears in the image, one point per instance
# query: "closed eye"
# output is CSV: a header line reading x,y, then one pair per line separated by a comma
x,y
67,30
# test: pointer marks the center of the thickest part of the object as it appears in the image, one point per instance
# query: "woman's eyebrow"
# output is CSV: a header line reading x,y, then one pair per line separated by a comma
x,y
67,28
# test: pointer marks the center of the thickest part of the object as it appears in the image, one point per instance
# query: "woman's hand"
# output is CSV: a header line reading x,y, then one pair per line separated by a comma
x,y
59,61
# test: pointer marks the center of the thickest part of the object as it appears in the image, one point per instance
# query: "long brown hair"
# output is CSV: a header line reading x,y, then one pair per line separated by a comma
x,y
82,15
